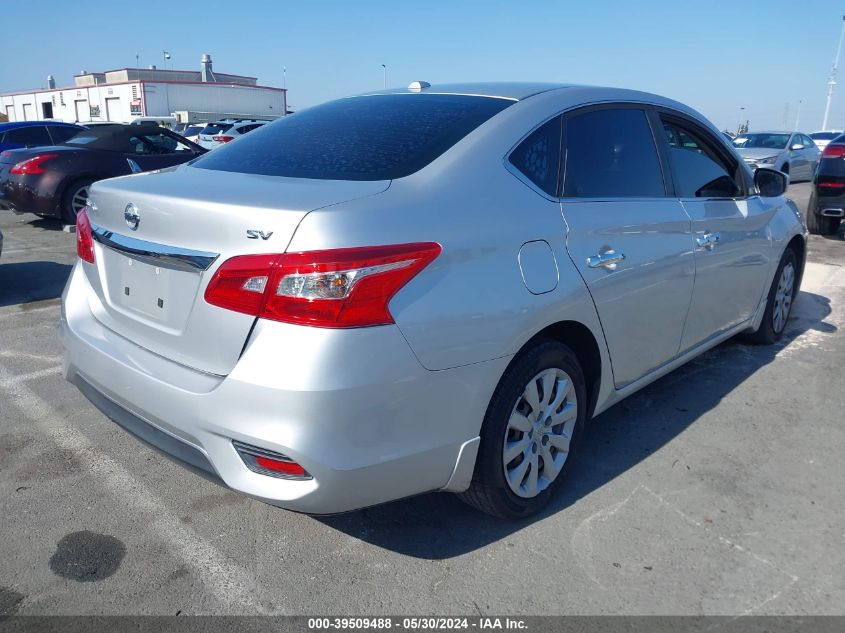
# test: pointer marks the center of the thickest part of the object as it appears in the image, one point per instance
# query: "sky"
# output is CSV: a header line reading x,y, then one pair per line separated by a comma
x,y
770,57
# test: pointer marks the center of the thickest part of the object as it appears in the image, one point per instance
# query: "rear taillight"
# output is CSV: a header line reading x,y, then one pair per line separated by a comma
x,y
347,287
223,139
831,184
84,238
834,151
32,165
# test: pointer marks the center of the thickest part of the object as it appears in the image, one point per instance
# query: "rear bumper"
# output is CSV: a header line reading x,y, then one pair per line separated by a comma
x,y
830,201
358,412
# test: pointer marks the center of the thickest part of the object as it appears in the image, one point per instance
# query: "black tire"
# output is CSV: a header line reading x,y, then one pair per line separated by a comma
x,y
489,490
819,224
768,332
68,212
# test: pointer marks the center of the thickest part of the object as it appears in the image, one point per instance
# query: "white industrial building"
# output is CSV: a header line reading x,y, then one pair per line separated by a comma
x,y
128,93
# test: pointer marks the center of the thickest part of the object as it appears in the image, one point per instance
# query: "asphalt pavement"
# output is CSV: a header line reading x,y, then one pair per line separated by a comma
x,y
716,490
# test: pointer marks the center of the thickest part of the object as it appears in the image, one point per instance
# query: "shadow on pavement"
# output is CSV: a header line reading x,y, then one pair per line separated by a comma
x,y
439,526
47,224
26,282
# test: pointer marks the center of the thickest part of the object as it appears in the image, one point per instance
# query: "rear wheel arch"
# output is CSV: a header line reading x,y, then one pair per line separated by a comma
x,y
581,340
799,245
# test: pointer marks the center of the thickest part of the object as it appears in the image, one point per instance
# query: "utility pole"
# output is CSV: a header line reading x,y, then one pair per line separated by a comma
x,y
798,116
739,124
384,66
831,84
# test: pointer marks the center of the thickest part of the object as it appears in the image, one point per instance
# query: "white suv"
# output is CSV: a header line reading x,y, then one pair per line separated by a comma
x,y
220,132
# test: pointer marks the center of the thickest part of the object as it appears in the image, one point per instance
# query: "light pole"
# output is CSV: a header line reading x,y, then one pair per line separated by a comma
x,y
739,124
166,57
285,77
831,84
798,116
384,66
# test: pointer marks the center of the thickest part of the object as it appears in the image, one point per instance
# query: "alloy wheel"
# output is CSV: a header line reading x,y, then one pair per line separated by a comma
x,y
783,298
539,432
79,199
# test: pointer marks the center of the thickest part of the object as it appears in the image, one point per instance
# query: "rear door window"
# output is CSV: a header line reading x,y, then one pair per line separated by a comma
x,y
33,136
699,168
610,153
373,137
538,156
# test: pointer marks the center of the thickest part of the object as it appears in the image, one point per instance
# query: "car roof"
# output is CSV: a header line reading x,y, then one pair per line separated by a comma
x,y
515,90
770,132
13,125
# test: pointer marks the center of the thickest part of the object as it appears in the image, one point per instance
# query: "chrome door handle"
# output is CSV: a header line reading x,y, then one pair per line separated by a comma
x,y
707,240
608,259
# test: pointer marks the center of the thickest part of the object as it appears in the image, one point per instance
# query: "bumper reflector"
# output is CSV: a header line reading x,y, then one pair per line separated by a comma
x,y
270,463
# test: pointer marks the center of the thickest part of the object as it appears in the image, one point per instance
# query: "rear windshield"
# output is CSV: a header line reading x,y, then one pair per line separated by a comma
x,y
192,130
376,137
824,136
216,128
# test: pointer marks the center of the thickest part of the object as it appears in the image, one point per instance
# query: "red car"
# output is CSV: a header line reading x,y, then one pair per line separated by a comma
x,y
53,181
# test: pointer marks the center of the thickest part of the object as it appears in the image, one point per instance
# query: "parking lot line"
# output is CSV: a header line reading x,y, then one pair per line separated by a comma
x,y
41,373
230,583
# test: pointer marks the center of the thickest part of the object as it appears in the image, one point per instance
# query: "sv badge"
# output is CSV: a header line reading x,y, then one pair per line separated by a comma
x,y
254,234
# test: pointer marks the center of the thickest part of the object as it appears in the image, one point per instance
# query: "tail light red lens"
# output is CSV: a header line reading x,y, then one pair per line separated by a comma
x,y
31,166
829,184
833,151
348,287
84,237
223,139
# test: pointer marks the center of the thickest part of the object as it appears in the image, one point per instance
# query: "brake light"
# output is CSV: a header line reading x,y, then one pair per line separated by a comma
x,y
347,287
223,139
833,151
31,166
831,184
84,238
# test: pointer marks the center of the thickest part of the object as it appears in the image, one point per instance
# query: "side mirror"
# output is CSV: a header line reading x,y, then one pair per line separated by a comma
x,y
770,182
797,146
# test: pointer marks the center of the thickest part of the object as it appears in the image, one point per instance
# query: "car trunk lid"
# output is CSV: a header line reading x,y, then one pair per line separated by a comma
x,y
150,280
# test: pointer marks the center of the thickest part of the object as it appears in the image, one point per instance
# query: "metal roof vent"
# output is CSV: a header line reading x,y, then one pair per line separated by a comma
x,y
417,86
51,83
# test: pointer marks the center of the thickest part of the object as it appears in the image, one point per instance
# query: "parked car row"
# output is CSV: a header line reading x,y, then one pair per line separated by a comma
x,y
53,181
47,167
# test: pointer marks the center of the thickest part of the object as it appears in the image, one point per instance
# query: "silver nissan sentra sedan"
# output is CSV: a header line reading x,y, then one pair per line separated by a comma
x,y
432,288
